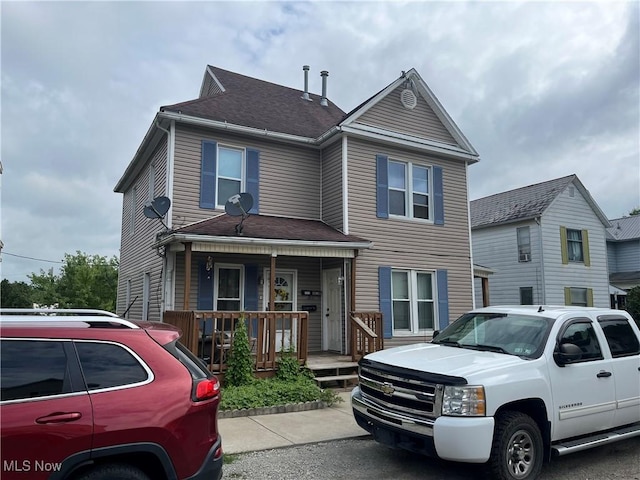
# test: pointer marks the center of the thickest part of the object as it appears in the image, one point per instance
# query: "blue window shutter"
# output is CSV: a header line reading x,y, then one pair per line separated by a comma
x,y
382,187
251,288
208,174
384,286
253,178
443,299
205,287
438,204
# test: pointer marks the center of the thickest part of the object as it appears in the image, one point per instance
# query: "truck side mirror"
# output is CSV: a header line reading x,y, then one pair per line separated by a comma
x,y
567,353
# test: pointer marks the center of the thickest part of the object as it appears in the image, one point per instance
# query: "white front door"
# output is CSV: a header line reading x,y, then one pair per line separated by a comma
x,y
332,303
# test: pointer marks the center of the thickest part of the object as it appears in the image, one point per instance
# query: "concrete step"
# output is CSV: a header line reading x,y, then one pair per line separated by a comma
x,y
344,380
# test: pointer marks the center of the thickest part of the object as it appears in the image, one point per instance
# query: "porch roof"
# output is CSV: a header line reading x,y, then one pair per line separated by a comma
x,y
280,234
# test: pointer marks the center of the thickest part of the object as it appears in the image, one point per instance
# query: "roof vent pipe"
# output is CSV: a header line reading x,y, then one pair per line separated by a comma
x,y
323,101
305,95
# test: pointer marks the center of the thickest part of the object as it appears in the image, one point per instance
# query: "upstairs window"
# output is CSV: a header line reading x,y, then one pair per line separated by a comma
x,y
408,190
524,244
574,246
226,171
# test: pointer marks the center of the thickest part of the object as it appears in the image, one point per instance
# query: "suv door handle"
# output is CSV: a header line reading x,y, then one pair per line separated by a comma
x,y
60,417
603,374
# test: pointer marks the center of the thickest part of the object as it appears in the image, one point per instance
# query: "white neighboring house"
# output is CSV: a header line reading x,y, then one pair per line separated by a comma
x,y
623,252
545,243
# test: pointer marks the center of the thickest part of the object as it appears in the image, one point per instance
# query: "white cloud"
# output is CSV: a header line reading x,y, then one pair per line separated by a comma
x,y
542,90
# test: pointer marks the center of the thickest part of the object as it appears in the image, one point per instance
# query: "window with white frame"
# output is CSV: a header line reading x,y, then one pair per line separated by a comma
x,y
228,294
574,245
524,244
230,173
413,307
409,190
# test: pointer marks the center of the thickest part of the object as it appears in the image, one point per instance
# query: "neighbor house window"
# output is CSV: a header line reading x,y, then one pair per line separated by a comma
x,y
412,299
574,245
526,295
409,190
524,244
228,295
581,297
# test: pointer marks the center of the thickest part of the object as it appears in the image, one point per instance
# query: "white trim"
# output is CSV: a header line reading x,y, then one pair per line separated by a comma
x,y
170,171
345,188
216,280
472,263
382,135
413,301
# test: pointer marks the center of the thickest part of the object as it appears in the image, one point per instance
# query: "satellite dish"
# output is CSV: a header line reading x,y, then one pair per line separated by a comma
x,y
239,204
157,208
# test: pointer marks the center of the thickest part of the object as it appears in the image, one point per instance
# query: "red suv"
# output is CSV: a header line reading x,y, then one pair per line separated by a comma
x,y
87,395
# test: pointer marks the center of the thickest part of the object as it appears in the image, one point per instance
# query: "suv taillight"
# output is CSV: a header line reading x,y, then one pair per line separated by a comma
x,y
207,388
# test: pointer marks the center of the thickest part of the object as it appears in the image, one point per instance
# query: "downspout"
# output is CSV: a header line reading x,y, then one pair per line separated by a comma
x,y
542,282
345,188
168,270
473,282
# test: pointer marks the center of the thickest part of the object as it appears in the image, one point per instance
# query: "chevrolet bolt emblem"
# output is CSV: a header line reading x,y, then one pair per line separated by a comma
x,y
387,389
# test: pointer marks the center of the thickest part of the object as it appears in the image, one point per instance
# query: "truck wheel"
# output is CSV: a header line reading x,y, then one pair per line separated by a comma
x,y
516,453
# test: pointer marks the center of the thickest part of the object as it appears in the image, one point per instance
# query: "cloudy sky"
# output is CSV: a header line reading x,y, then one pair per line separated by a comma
x,y
541,90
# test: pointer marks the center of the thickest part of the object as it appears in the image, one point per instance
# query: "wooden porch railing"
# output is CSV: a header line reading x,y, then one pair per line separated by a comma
x,y
366,334
209,335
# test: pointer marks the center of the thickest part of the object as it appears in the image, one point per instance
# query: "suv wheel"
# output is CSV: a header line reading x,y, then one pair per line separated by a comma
x,y
516,453
115,471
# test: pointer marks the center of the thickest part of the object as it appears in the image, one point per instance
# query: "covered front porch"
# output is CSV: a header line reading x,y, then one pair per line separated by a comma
x,y
292,282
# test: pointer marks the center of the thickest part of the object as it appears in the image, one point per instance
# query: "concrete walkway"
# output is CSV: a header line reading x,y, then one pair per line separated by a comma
x,y
263,432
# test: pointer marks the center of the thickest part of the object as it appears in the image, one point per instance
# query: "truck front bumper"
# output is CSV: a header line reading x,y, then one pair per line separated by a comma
x,y
460,439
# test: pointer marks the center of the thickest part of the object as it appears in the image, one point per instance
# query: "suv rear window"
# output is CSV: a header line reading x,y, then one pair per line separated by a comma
x,y
32,368
106,365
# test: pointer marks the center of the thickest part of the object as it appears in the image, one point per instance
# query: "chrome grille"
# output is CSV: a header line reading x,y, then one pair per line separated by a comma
x,y
406,395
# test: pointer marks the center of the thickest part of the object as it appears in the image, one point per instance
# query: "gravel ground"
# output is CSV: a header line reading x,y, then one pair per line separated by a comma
x,y
365,459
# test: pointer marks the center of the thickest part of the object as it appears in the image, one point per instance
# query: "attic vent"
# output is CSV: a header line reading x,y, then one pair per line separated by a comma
x,y
408,99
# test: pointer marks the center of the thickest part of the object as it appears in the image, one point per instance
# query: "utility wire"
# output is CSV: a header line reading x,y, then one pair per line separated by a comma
x,y
31,258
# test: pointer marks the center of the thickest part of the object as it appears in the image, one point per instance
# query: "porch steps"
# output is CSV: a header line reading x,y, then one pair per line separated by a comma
x,y
330,373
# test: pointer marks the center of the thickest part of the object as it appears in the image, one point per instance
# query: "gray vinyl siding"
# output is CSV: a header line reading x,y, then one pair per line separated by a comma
x,y
574,213
289,176
497,248
612,257
626,257
136,255
390,114
309,278
404,243
332,199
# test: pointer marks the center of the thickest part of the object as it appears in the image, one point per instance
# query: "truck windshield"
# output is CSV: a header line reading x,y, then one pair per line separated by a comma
x,y
511,334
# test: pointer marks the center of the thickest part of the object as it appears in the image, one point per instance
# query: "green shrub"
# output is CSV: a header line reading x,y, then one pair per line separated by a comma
x,y
240,363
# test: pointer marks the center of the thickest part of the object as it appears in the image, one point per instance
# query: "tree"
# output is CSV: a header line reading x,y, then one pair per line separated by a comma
x,y
84,282
633,303
635,211
16,294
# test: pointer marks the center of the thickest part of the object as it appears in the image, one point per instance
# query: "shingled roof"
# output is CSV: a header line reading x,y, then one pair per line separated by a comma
x,y
255,103
519,204
269,227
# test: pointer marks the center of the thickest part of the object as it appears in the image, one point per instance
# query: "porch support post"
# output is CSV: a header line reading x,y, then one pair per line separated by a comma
x,y
187,274
272,282
352,287
485,292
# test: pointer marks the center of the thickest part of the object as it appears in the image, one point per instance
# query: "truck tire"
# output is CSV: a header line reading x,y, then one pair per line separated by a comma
x,y
517,449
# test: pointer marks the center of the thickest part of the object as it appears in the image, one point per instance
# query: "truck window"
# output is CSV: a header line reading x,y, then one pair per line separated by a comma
x,y
620,337
581,333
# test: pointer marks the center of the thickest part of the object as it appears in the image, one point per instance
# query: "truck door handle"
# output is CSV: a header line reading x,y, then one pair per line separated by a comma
x,y
603,374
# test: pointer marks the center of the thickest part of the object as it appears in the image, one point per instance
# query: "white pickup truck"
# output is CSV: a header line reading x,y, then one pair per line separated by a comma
x,y
507,386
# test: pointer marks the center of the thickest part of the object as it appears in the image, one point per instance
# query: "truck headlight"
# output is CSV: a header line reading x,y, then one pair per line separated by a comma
x,y
467,401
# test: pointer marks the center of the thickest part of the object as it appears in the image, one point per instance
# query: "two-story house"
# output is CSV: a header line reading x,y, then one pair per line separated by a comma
x,y
545,244
623,253
357,226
